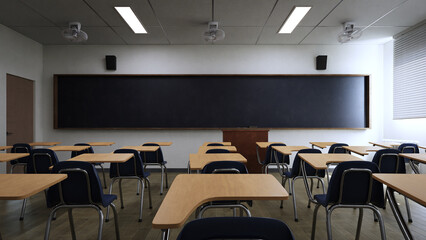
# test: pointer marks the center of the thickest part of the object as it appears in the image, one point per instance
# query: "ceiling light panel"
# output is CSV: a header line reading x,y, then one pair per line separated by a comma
x,y
129,16
296,15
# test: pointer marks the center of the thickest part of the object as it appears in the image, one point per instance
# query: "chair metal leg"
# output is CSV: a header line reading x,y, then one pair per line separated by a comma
x,y
121,193
101,223
110,192
328,222
138,189
407,206
71,220
49,221
24,205
314,221
233,206
312,189
117,231
141,200
358,228
165,233
167,179
149,192
381,223
234,212
162,175
103,174
291,181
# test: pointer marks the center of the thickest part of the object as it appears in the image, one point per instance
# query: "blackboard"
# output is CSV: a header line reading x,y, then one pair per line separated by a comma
x,y
211,101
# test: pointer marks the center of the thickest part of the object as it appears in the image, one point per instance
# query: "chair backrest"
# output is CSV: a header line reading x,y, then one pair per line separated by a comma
x,y
389,161
22,148
225,167
296,169
408,148
236,228
218,150
132,167
88,150
152,157
338,148
82,186
269,156
215,144
41,160
352,184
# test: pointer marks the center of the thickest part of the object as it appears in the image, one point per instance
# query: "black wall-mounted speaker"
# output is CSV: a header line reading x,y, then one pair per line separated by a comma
x,y
111,62
321,62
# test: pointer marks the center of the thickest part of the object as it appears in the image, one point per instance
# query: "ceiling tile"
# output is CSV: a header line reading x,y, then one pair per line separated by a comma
x,y
240,35
15,13
43,35
378,35
415,9
155,36
323,35
186,35
183,12
270,35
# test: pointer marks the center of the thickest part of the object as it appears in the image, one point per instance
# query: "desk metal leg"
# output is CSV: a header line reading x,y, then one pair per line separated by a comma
x,y
305,180
414,167
390,193
165,234
258,156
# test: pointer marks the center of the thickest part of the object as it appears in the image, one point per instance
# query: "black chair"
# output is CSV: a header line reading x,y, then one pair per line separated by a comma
x,y
155,158
410,148
296,173
352,186
270,157
224,167
218,150
132,169
215,144
89,150
81,189
338,148
389,161
20,148
236,228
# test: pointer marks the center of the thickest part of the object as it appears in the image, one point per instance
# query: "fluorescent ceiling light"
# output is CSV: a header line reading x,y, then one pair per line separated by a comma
x,y
295,17
129,16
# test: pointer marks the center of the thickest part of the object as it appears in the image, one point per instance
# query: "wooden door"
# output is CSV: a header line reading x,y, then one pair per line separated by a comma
x,y
20,110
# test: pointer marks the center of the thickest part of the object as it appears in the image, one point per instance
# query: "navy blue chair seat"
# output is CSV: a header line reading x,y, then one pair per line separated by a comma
x,y
217,150
20,148
215,144
155,158
236,228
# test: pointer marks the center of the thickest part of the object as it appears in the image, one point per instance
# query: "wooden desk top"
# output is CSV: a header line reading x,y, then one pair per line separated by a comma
x,y
287,150
419,157
322,144
320,161
385,144
20,186
423,147
265,144
102,157
162,143
188,191
6,157
94,144
142,148
5,147
224,143
410,185
44,143
203,149
362,150
69,148
198,161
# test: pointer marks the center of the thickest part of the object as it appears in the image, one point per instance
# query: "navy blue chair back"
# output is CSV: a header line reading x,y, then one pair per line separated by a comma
x,y
41,160
388,161
269,156
408,148
355,187
76,187
132,167
152,157
88,150
218,150
21,148
236,228
296,169
338,148
224,167
215,144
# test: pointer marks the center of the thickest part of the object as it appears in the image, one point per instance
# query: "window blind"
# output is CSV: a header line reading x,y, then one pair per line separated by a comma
x,y
409,74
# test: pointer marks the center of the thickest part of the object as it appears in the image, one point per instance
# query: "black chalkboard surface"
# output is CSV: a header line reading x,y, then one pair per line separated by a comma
x,y
211,101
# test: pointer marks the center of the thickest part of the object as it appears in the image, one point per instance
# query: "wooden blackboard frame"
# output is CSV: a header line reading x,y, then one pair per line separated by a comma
x,y
366,99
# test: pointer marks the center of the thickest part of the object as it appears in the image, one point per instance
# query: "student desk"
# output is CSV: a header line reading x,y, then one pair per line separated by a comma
x,y
287,150
263,145
162,143
142,148
188,191
198,161
2,148
43,144
95,144
203,149
415,157
409,185
69,148
6,157
362,150
102,157
224,143
321,145
385,144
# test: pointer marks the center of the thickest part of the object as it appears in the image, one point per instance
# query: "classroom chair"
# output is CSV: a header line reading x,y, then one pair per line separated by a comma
x,y
409,148
338,148
296,173
89,150
81,189
351,186
215,144
20,148
155,158
269,157
218,150
236,228
132,169
389,161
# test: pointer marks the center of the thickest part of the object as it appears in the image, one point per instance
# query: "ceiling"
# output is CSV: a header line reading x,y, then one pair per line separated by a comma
x,y
251,22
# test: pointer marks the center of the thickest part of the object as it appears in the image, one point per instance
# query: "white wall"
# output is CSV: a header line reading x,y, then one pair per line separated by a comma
x,y
406,129
22,57
233,59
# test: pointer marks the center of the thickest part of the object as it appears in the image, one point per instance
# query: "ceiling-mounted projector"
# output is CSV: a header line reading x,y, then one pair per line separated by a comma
x,y
213,32
350,32
74,33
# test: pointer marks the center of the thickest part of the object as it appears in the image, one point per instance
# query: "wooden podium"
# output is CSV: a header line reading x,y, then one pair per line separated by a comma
x,y
245,141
